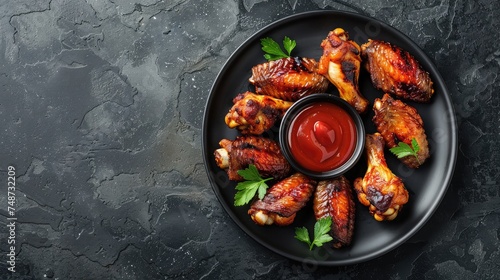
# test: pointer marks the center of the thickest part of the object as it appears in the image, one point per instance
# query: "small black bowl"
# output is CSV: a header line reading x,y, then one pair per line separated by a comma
x,y
292,113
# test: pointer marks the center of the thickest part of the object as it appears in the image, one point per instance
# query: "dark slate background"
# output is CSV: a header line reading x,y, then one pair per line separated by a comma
x,y
101,110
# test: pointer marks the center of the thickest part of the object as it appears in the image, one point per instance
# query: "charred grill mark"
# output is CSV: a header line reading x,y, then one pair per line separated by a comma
x,y
403,62
269,112
379,200
334,41
355,51
299,65
252,108
333,187
246,145
349,70
412,89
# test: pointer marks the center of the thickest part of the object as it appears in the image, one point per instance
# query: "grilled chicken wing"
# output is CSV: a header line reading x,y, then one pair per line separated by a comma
x,y
255,113
333,198
396,71
380,189
397,121
340,63
282,201
264,153
288,79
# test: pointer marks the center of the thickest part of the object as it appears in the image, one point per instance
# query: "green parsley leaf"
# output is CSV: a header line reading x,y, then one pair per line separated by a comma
x,y
414,145
246,190
289,45
303,235
251,173
321,230
404,150
273,50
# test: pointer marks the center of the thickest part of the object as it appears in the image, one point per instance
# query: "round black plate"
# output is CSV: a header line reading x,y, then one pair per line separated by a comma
x,y
426,186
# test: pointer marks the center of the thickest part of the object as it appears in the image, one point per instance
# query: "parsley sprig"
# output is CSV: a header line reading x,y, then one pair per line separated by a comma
x,y
273,50
321,236
403,149
253,184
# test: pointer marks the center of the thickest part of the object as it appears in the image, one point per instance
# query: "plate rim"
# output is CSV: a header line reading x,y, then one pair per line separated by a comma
x,y
447,178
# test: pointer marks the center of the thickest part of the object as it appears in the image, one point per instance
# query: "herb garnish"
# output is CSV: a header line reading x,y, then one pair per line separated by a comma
x,y
273,50
403,149
253,184
321,236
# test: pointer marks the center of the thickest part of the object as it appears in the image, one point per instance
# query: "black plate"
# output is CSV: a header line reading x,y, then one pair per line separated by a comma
x,y
426,186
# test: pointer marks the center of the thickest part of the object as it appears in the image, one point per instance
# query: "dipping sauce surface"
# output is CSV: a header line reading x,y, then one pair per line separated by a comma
x,y
322,137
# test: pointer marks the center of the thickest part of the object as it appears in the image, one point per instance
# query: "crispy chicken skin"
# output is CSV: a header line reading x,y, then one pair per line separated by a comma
x,y
341,63
397,121
254,113
288,79
380,189
264,153
282,201
334,198
395,71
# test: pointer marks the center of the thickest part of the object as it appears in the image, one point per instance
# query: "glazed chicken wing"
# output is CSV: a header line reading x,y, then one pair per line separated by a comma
x,y
288,79
380,189
262,152
340,63
255,113
395,71
282,201
397,121
333,198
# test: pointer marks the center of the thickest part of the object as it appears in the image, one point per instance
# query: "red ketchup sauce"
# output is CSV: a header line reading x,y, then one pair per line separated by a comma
x,y
322,137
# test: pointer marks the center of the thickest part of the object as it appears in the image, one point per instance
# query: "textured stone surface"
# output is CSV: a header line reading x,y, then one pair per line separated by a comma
x,y
101,111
